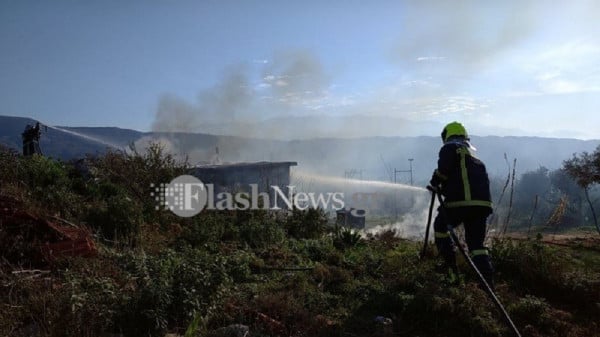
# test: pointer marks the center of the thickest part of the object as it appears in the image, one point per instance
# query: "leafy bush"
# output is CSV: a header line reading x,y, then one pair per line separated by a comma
x,y
256,228
117,220
261,233
9,165
347,237
537,268
136,172
310,223
318,250
48,185
531,312
90,305
172,289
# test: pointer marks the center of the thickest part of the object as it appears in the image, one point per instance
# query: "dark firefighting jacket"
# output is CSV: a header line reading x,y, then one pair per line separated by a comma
x,y
462,176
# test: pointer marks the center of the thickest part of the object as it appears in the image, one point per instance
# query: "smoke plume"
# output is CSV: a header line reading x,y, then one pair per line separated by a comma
x,y
290,84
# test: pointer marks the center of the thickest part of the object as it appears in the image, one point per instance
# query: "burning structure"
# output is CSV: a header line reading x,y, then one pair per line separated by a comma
x,y
238,177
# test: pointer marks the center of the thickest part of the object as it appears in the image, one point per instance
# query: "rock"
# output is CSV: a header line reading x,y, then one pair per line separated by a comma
x,y
384,326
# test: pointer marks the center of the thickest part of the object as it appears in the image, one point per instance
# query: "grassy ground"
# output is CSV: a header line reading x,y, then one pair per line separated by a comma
x,y
280,275
303,287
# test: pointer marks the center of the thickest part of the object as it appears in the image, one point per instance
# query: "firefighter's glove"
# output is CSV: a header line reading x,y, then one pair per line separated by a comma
x,y
435,180
434,184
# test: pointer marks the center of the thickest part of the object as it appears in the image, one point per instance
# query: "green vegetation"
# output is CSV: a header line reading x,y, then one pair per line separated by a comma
x,y
278,274
585,168
549,201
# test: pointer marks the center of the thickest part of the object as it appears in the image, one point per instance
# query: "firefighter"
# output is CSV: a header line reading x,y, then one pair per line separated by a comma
x,y
463,181
31,140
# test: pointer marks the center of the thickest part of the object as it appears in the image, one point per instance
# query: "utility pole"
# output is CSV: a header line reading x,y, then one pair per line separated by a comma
x,y
396,171
410,160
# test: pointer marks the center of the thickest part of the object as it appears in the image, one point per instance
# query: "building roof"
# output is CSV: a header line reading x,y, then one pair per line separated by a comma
x,y
245,165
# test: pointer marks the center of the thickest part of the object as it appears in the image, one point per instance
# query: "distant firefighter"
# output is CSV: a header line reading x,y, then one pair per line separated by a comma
x,y
31,140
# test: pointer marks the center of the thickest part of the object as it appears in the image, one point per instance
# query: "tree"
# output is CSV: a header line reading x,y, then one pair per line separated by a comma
x,y
565,185
532,186
585,169
533,183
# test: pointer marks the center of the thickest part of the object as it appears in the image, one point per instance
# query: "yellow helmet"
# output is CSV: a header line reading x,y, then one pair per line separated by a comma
x,y
454,129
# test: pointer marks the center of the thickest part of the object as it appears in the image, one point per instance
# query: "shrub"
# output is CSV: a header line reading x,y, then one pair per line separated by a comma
x,y
172,289
117,219
347,237
136,172
310,223
89,305
531,312
9,165
256,228
261,232
48,185
537,268
317,250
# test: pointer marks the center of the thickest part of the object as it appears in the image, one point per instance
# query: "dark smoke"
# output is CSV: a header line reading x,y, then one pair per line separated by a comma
x,y
288,85
229,100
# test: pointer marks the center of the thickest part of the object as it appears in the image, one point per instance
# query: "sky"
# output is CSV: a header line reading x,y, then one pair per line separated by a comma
x,y
509,67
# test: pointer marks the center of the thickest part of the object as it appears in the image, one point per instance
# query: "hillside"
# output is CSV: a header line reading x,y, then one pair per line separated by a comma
x,y
85,253
376,157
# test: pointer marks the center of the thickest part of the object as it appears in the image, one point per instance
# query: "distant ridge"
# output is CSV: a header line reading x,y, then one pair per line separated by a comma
x,y
375,156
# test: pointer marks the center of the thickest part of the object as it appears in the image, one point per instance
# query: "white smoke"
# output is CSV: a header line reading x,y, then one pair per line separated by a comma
x,y
405,206
412,224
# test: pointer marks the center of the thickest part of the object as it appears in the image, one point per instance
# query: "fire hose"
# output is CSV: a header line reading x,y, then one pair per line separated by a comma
x,y
482,280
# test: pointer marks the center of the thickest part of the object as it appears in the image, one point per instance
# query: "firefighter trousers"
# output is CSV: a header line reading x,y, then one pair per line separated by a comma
x,y
473,219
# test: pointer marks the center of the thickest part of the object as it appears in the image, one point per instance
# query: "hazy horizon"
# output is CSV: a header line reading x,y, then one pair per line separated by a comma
x,y
432,132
